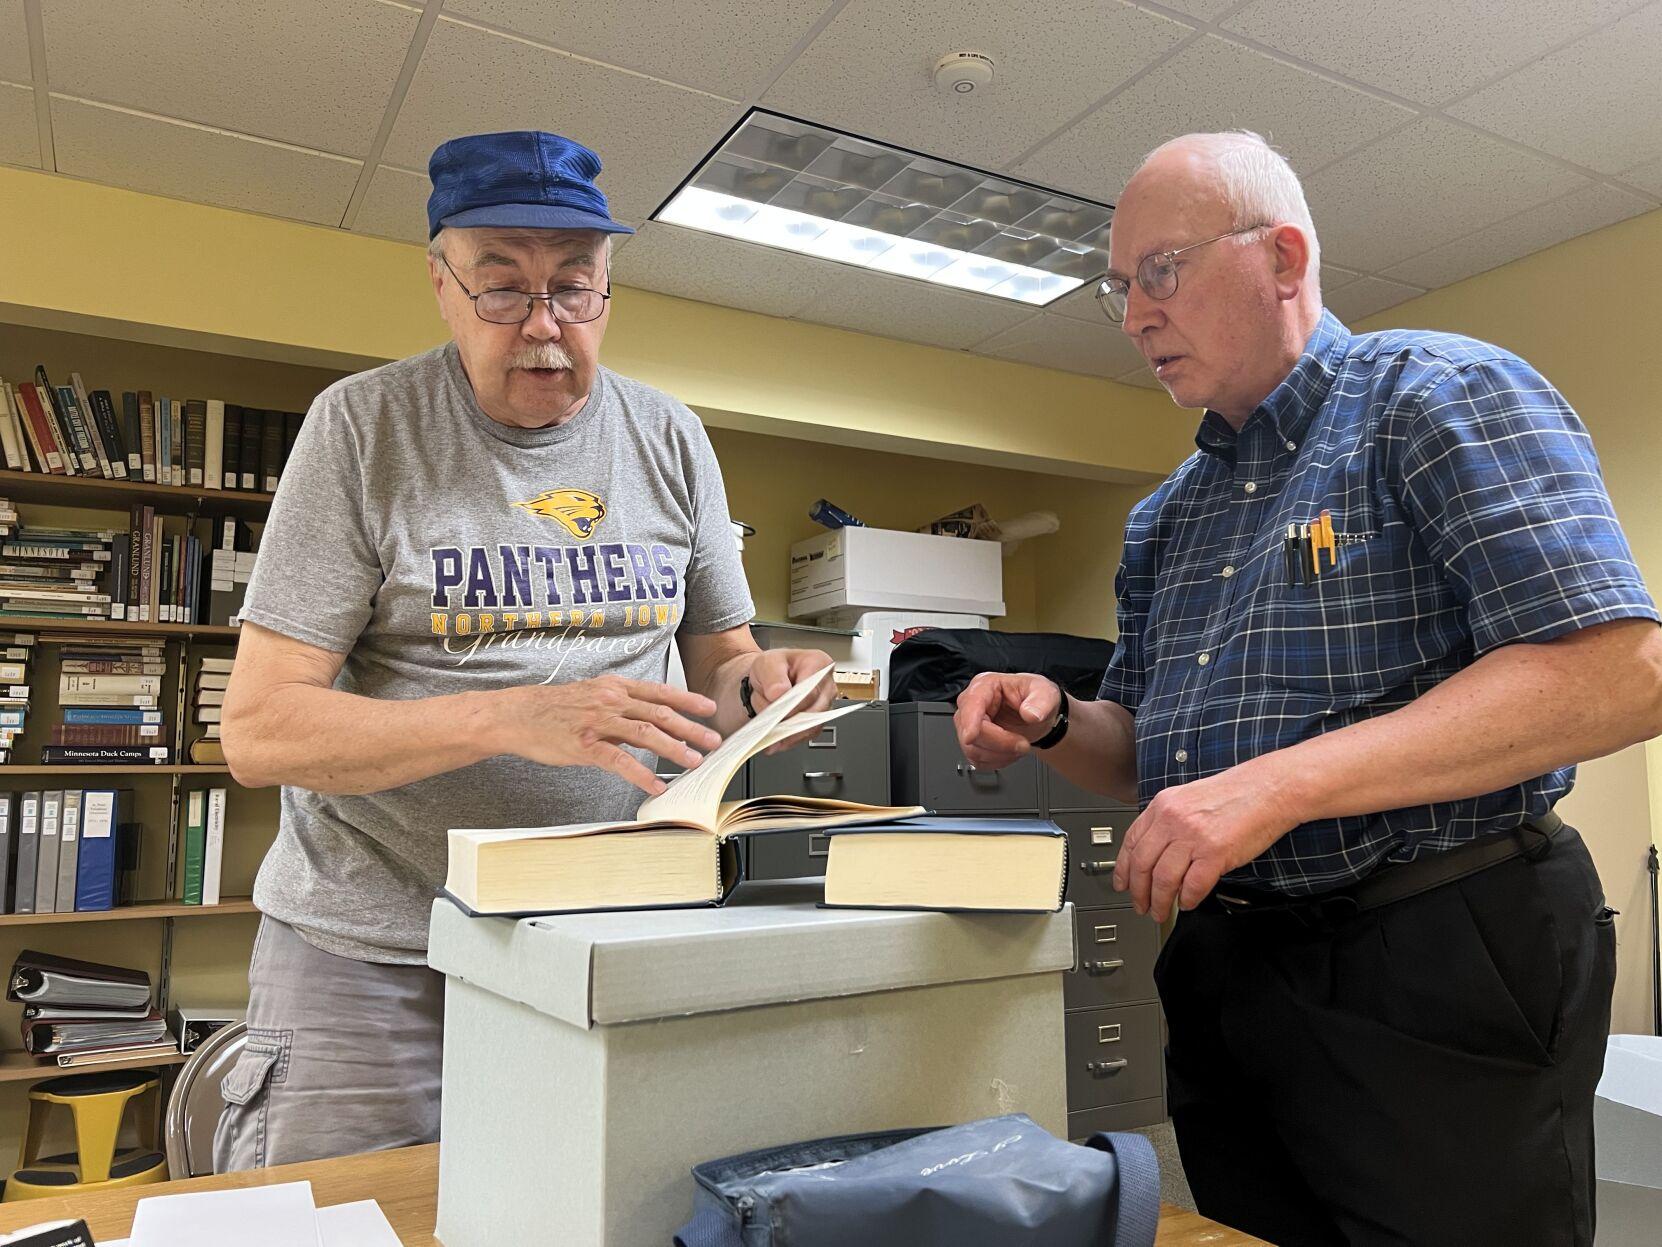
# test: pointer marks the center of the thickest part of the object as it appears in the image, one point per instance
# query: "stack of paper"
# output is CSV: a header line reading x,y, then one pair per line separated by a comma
x,y
257,1216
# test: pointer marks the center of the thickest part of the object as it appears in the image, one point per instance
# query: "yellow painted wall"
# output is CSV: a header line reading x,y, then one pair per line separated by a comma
x,y
1587,314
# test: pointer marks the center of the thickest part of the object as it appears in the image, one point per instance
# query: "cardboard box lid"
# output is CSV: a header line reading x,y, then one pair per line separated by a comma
x,y
768,945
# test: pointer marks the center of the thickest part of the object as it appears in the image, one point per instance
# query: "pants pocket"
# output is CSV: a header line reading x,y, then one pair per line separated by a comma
x,y
240,1138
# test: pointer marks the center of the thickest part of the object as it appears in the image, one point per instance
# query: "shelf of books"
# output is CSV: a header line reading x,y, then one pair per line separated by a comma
x,y
128,526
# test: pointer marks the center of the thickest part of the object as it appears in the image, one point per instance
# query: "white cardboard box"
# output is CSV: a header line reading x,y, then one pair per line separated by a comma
x,y
1627,1127
590,1060
885,569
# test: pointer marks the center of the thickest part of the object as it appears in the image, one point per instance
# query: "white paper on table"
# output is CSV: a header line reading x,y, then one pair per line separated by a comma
x,y
251,1216
361,1224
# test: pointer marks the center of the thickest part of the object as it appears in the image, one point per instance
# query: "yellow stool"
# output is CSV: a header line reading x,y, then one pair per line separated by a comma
x,y
97,1102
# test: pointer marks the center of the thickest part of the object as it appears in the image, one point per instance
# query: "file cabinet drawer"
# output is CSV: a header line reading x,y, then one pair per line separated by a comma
x,y
1062,793
1116,952
847,760
1086,1122
1114,1056
1094,839
786,855
930,769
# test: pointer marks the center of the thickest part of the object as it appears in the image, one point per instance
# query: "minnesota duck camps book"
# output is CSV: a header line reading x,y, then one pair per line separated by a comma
x,y
678,848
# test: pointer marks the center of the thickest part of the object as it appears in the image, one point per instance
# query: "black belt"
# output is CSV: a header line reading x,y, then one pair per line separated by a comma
x,y
1392,883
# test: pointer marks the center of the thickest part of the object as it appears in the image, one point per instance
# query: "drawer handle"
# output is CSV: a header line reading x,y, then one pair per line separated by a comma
x,y
969,771
824,847
827,739
1104,967
1097,866
812,776
1101,1069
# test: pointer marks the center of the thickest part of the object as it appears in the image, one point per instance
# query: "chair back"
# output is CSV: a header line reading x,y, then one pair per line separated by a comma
x,y
193,1108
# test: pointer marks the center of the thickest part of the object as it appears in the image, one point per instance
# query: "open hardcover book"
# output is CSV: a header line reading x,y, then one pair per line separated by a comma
x,y
675,851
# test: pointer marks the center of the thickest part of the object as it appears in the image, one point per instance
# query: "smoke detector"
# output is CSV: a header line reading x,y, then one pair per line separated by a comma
x,y
963,73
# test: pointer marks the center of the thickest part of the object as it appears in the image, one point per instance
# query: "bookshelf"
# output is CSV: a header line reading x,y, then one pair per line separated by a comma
x,y
159,789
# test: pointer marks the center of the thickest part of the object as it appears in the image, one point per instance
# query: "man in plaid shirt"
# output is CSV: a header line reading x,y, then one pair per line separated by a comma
x,y
1366,632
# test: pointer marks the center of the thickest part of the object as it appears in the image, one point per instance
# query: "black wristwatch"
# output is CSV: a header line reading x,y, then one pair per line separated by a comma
x,y
744,696
1060,728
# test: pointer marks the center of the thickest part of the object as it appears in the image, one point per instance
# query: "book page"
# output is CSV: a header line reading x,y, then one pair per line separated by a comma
x,y
695,796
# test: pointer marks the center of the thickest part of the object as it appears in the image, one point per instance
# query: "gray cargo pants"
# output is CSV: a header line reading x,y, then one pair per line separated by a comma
x,y
343,1056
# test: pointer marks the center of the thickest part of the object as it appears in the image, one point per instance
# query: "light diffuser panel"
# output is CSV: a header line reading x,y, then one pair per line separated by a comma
x,y
786,183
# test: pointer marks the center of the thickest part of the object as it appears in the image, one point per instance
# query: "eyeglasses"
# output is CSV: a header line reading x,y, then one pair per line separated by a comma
x,y
570,305
1156,274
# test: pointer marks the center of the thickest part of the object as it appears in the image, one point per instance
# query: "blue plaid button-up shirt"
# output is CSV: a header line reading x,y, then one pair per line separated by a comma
x,y
1470,514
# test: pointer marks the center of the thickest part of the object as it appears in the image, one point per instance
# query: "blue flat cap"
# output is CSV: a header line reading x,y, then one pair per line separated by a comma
x,y
517,179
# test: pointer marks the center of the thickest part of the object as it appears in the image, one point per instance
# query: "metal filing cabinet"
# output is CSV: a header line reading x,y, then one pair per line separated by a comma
x,y
848,760
1113,1027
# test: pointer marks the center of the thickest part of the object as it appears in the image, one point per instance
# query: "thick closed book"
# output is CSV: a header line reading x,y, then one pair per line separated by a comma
x,y
1014,865
8,851
194,845
676,851
45,979
46,870
213,846
69,851
50,1038
102,813
28,853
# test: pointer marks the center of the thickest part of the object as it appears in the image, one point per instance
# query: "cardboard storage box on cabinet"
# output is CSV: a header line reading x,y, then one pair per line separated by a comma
x,y
885,569
591,1060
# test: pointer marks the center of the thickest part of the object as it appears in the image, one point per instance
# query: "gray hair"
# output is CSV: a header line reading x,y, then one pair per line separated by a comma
x,y
1258,184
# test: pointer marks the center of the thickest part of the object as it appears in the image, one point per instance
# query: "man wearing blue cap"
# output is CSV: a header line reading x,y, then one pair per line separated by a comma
x,y
461,616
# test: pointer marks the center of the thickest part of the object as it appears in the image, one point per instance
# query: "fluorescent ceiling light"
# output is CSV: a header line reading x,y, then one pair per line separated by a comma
x,y
804,188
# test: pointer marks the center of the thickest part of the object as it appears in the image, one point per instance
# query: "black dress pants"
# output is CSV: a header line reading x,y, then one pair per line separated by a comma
x,y
1421,1073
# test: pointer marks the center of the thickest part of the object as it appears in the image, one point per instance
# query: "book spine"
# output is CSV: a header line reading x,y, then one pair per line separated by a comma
x,y
28,854
103,410
230,466
213,849
118,579
195,846
147,565
15,459
166,576
213,446
253,425
106,734
62,429
117,716
69,852
41,430
46,869
196,436
80,431
89,417
72,683
8,851
176,441
20,422
70,755
147,434
110,666
143,701
164,424
131,434
271,451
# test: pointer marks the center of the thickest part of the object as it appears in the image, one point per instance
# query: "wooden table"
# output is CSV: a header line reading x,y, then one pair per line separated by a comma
x,y
405,1183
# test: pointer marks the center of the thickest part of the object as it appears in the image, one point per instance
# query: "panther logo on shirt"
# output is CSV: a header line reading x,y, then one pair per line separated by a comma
x,y
576,510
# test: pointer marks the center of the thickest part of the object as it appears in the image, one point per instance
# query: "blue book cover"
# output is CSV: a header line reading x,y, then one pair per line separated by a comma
x,y
95,880
119,717
12,718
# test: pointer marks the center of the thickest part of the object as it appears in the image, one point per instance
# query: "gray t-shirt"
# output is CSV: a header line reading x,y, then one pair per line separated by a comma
x,y
442,552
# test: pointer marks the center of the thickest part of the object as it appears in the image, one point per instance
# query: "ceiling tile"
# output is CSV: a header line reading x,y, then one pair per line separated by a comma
x,y
695,45
915,311
1140,376
19,139
162,157
316,73
1421,187
395,205
1336,278
1367,295
1204,10
14,43
870,70
711,269
1080,305
1211,85
1594,102
1593,207
648,135
1068,344
1647,177
1430,51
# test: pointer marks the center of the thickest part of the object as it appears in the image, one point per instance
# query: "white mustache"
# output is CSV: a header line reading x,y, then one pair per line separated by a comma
x,y
542,355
